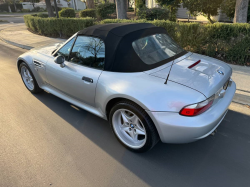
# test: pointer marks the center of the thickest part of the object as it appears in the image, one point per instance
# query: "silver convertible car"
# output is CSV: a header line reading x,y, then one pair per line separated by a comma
x,y
136,77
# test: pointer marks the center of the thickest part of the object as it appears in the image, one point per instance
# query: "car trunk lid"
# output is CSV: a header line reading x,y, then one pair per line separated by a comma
x,y
206,76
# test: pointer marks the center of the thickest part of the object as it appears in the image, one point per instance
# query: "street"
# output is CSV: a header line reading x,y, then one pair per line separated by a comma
x,y
16,18
46,141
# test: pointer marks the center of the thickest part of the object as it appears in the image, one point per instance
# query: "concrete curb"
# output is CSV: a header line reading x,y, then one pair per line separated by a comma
x,y
13,43
16,44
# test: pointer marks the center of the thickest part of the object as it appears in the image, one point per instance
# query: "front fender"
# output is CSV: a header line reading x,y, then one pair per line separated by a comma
x,y
39,72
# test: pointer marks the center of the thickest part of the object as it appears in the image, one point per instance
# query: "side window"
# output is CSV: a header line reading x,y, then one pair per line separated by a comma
x,y
88,51
65,50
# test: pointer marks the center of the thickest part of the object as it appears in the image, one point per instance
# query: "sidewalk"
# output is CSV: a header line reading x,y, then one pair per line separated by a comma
x,y
18,35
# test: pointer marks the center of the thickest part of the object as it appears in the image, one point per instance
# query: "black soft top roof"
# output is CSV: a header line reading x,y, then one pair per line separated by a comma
x,y
118,37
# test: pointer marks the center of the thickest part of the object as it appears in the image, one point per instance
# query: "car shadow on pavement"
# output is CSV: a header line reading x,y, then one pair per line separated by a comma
x,y
220,160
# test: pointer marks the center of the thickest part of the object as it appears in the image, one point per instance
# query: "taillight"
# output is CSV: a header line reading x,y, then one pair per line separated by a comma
x,y
197,108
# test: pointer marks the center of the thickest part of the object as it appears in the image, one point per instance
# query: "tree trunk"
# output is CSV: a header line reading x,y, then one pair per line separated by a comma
x,y
90,4
49,8
9,8
14,3
241,9
209,19
121,9
135,6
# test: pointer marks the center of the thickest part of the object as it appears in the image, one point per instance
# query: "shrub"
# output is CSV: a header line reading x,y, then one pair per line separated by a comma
x,y
67,13
43,10
104,10
36,9
58,8
131,9
228,42
153,13
19,6
41,15
87,13
139,4
25,10
61,27
225,41
4,7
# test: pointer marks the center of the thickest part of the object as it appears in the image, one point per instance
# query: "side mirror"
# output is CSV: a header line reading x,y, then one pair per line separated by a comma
x,y
60,60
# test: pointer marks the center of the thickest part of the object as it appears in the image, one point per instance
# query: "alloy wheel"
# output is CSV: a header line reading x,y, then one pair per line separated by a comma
x,y
129,128
27,78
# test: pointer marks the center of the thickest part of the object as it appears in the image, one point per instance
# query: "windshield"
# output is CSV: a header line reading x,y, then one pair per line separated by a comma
x,y
155,48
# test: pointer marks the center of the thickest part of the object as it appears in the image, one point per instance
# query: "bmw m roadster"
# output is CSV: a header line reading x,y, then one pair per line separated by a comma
x,y
136,77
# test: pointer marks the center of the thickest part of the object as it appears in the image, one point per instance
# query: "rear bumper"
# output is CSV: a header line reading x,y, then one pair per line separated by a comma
x,y
174,128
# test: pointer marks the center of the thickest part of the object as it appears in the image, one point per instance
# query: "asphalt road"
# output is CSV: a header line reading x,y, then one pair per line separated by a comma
x,y
44,141
12,19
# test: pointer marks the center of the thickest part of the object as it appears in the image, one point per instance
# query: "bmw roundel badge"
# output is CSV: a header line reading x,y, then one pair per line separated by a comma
x,y
220,72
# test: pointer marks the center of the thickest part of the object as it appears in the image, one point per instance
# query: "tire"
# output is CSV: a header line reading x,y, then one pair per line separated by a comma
x,y
29,79
132,126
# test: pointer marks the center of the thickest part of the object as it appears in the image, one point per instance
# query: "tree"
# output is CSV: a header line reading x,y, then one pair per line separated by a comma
x,y
90,4
172,5
203,7
228,8
241,9
121,9
8,2
14,3
49,8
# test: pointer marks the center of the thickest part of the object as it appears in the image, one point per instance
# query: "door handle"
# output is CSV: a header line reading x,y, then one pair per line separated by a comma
x,y
87,79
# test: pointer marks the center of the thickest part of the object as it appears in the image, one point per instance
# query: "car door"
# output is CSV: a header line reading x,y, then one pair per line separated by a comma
x,y
84,61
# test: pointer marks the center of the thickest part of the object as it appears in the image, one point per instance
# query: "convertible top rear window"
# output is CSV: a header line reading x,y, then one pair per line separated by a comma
x,y
156,48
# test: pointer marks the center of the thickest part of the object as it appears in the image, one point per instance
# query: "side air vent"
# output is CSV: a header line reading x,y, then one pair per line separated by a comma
x,y
36,63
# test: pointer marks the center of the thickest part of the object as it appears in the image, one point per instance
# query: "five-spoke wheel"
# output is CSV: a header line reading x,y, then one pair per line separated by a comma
x,y
132,126
129,128
28,78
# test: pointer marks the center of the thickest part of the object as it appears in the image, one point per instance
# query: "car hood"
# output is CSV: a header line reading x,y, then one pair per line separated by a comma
x,y
205,77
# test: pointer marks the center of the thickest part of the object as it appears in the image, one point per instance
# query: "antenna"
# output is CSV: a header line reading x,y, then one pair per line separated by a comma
x,y
169,73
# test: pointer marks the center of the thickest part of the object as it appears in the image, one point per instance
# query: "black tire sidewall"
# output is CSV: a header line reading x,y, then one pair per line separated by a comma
x,y
145,119
36,87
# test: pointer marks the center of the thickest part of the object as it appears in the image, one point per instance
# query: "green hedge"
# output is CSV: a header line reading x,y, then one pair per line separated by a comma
x,y
225,41
104,10
67,13
41,15
153,13
87,13
228,42
61,27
